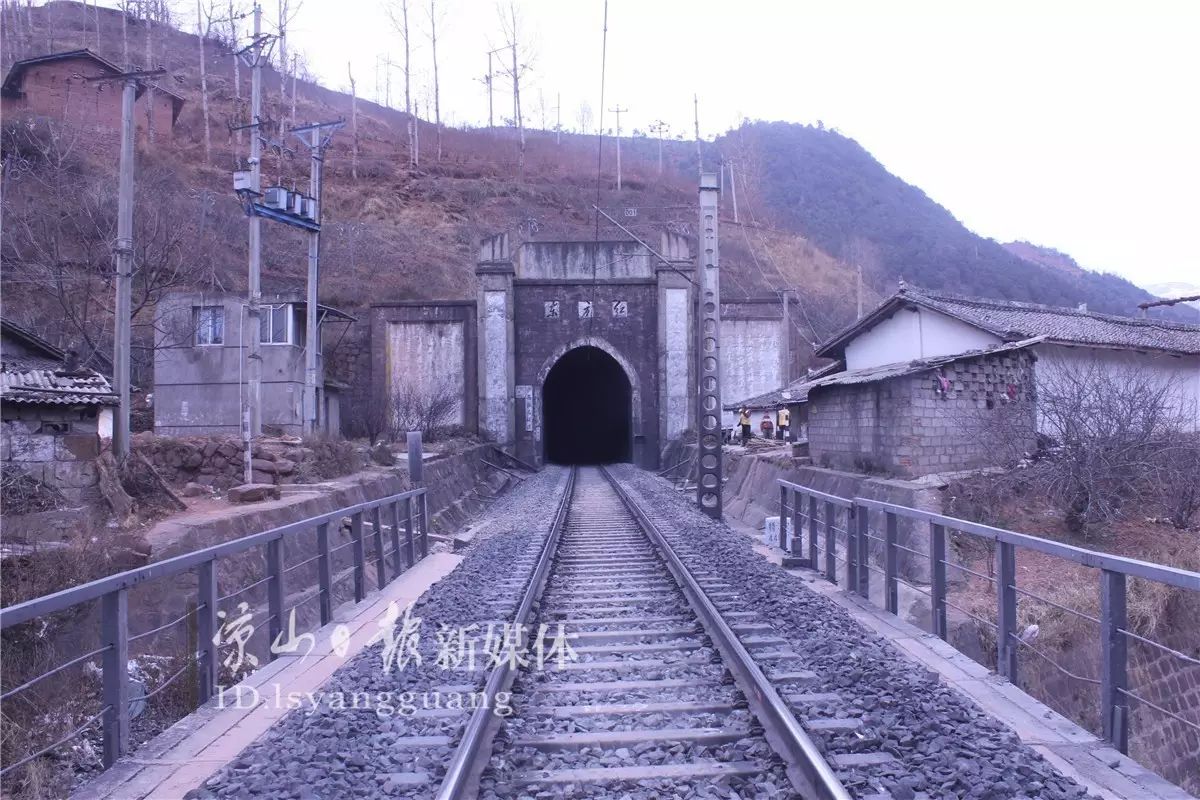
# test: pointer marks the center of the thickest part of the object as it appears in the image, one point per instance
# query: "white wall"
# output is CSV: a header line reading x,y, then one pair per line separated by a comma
x,y
427,356
920,333
1180,373
751,361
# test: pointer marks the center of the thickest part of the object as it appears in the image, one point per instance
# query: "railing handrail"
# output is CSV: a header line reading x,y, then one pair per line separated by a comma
x,y
1174,576
837,500
93,590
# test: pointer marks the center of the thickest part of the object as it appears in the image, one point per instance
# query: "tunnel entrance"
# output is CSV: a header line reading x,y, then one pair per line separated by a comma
x,y
587,405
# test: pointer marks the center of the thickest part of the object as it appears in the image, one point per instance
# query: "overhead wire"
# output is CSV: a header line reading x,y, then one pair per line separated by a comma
x,y
599,167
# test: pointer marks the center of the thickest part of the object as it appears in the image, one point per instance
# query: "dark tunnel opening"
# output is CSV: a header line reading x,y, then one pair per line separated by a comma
x,y
586,409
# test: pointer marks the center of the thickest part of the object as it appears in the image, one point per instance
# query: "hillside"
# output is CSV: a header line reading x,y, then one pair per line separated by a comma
x,y
810,202
828,188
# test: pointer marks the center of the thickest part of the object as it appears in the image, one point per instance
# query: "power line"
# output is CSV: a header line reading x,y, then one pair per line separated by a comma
x,y
599,164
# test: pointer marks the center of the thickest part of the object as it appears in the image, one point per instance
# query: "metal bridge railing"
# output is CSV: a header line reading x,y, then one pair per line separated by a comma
x,y
407,510
813,533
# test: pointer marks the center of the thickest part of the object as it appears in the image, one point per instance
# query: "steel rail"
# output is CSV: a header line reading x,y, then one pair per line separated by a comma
x,y
473,751
783,731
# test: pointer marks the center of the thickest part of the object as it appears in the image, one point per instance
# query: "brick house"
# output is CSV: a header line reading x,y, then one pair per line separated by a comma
x,y
919,374
54,87
54,414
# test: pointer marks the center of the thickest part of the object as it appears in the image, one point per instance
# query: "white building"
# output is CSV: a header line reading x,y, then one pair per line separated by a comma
x,y
915,324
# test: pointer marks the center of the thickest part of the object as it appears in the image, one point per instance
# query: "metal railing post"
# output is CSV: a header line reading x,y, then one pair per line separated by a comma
x,y
864,553
797,549
852,547
830,542
275,591
812,532
377,535
1006,618
324,573
783,492
115,632
937,585
424,524
891,586
396,566
206,629
409,549
416,479
1114,674
360,558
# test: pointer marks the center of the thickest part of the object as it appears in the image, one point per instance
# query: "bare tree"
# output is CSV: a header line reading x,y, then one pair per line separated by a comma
x,y
437,102
584,117
426,409
60,222
511,26
204,23
287,14
397,11
237,69
353,123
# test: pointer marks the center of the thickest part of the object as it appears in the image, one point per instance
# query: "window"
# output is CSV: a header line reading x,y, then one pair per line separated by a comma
x,y
275,326
210,324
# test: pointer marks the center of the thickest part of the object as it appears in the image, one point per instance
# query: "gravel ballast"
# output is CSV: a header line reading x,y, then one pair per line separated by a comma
x,y
342,752
943,745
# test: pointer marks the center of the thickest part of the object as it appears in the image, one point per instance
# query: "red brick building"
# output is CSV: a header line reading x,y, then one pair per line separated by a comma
x,y
55,87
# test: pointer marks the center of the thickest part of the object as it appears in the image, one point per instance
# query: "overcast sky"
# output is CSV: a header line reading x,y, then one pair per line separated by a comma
x,y
1073,124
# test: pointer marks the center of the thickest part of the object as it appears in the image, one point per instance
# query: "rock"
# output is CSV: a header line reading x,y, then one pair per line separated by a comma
x,y
210,449
194,490
263,465
284,466
262,477
193,459
253,493
229,450
381,454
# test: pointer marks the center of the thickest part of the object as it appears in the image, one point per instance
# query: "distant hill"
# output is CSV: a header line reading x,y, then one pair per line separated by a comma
x,y
826,187
1046,256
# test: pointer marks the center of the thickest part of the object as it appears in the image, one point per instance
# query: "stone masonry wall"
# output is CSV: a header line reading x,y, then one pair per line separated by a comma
x,y
924,423
65,460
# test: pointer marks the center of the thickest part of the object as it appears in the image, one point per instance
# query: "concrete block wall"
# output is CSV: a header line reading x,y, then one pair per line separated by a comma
x,y
917,425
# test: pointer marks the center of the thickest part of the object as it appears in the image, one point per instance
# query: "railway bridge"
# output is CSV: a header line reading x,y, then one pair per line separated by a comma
x,y
598,637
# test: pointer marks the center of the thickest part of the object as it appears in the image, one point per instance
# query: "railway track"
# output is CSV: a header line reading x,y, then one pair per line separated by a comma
x,y
660,691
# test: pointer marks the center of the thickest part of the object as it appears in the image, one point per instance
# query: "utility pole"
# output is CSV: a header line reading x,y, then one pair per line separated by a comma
x,y
487,79
558,118
860,296
255,55
123,257
708,356
699,158
733,190
618,111
320,135
785,340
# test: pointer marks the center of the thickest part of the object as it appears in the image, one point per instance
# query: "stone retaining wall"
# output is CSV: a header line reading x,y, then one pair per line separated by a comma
x,y
218,461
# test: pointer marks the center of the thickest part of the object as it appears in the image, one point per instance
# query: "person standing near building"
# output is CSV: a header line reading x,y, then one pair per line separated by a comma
x,y
744,422
766,426
784,423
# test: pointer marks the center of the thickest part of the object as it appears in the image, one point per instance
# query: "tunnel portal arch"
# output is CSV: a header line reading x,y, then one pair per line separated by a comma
x,y
587,404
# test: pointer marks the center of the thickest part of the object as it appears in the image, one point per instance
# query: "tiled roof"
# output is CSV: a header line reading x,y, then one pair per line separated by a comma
x,y
23,381
1013,321
794,392
798,392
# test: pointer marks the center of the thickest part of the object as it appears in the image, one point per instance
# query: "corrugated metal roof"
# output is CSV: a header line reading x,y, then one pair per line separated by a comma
x,y
1015,321
23,382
